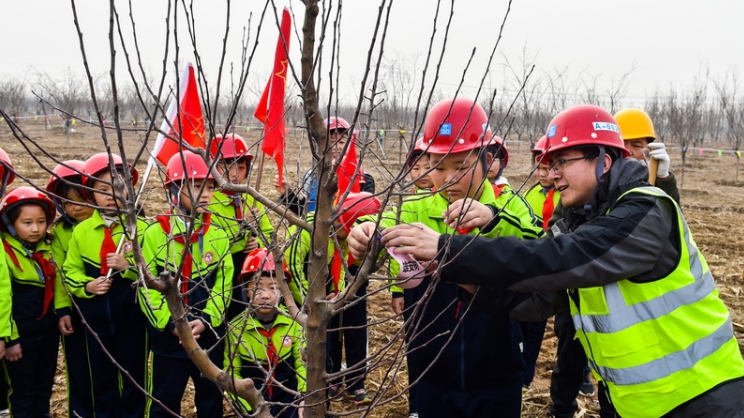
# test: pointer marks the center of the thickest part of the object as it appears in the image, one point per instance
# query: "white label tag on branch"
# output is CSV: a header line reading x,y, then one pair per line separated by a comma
x,y
411,271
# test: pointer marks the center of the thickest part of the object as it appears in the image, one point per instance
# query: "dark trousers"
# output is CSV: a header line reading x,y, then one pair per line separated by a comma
x,y
79,389
497,402
354,339
569,372
533,336
238,301
168,381
31,378
569,368
409,301
129,349
4,387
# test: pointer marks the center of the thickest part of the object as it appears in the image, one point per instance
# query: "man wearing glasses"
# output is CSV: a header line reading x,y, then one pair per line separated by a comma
x,y
642,298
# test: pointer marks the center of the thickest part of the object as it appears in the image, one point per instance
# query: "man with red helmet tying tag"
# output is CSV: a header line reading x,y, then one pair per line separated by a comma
x,y
642,297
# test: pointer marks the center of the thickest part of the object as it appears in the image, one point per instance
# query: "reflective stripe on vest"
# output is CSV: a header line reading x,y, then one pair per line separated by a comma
x,y
659,344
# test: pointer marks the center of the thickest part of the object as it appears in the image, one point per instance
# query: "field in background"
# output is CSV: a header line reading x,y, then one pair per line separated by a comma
x,y
712,201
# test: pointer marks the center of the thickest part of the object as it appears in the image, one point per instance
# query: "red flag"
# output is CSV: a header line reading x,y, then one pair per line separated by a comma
x,y
347,169
270,109
184,119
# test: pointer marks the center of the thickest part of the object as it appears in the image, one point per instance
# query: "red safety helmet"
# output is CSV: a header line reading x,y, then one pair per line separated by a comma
x,y
229,147
498,142
356,205
97,163
25,194
260,259
456,125
418,148
337,124
538,149
6,167
186,165
583,125
70,170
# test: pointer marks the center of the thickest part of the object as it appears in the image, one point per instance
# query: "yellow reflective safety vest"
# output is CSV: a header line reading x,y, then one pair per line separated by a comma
x,y
659,344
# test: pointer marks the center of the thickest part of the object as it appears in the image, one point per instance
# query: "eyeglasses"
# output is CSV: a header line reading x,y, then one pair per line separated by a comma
x,y
559,166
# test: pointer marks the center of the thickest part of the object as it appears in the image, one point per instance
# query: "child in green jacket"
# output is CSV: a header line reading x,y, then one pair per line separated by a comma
x,y
64,188
185,240
263,343
31,350
100,279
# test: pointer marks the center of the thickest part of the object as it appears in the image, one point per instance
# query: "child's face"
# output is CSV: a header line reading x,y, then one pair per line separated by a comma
x,y
31,224
457,176
74,210
203,200
234,171
103,192
338,141
419,173
264,295
541,175
493,170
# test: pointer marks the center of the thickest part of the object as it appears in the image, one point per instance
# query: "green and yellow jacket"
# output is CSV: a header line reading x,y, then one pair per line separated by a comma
x,y
32,286
248,354
205,284
296,255
118,307
225,213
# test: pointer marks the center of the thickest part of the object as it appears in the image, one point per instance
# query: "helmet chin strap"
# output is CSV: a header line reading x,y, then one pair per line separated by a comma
x,y
175,194
600,163
599,172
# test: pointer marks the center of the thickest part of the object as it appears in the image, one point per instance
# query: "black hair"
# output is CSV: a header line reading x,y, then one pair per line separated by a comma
x,y
15,211
592,151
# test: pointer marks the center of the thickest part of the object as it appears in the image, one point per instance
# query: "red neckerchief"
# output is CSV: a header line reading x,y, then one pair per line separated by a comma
x,y
336,266
236,201
497,189
186,258
272,356
48,274
108,246
548,208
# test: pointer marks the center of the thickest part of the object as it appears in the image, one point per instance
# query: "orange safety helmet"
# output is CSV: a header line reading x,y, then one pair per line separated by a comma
x,y
25,194
356,205
456,125
230,147
260,259
6,168
186,165
337,124
71,171
97,163
584,125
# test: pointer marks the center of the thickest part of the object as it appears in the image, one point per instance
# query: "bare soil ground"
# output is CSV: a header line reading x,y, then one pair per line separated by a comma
x,y
712,201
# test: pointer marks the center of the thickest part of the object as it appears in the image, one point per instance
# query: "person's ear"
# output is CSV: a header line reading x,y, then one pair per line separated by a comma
x,y
607,164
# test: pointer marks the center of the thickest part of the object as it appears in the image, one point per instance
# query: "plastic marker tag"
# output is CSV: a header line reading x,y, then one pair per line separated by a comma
x,y
411,271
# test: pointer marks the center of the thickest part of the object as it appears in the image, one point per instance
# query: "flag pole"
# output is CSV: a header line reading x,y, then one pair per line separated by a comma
x,y
145,176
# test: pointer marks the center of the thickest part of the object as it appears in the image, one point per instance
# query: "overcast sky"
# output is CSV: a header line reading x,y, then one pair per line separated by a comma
x,y
663,42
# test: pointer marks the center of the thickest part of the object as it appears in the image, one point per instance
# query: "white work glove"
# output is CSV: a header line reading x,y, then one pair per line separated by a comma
x,y
657,151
